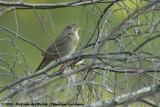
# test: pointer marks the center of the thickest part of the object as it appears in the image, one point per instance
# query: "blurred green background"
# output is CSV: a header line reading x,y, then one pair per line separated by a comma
x,y
22,56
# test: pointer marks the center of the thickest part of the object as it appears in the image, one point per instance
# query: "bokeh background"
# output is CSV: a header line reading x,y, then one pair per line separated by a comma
x,y
19,57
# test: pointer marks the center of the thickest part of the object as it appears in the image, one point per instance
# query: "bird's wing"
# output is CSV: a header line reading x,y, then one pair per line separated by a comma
x,y
57,43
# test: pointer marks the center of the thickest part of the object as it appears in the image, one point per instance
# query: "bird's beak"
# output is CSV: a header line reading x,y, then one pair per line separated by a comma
x,y
74,24
79,28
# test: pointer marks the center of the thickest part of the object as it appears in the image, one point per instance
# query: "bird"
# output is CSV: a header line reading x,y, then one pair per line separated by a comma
x,y
64,45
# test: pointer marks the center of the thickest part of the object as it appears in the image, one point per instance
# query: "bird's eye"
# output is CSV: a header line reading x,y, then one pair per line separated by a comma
x,y
69,27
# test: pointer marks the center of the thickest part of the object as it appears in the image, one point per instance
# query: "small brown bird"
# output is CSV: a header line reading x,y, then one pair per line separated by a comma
x,y
64,45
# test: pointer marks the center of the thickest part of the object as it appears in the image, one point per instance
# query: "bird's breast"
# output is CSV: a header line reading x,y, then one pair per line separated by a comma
x,y
74,39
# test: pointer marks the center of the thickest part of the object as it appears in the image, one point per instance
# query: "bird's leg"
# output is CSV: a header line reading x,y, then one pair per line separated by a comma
x,y
62,66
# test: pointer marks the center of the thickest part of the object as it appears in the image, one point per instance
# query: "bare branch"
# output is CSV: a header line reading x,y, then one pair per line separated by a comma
x,y
124,22
115,56
52,6
128,98
151,103
22,38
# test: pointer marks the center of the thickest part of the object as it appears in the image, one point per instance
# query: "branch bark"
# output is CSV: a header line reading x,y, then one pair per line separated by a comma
x,y
128,98
51,6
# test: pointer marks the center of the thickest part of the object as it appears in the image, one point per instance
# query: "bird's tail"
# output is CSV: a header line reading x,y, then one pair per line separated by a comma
x,y
44,62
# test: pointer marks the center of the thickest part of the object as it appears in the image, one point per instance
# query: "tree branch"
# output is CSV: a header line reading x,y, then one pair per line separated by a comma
x,y
51,6
53,65
128,98
123,23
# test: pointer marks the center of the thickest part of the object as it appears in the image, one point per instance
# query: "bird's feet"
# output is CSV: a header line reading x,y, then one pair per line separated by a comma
x,y
62,67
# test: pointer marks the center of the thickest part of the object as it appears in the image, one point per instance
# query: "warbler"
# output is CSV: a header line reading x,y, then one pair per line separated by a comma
x,y
63,45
